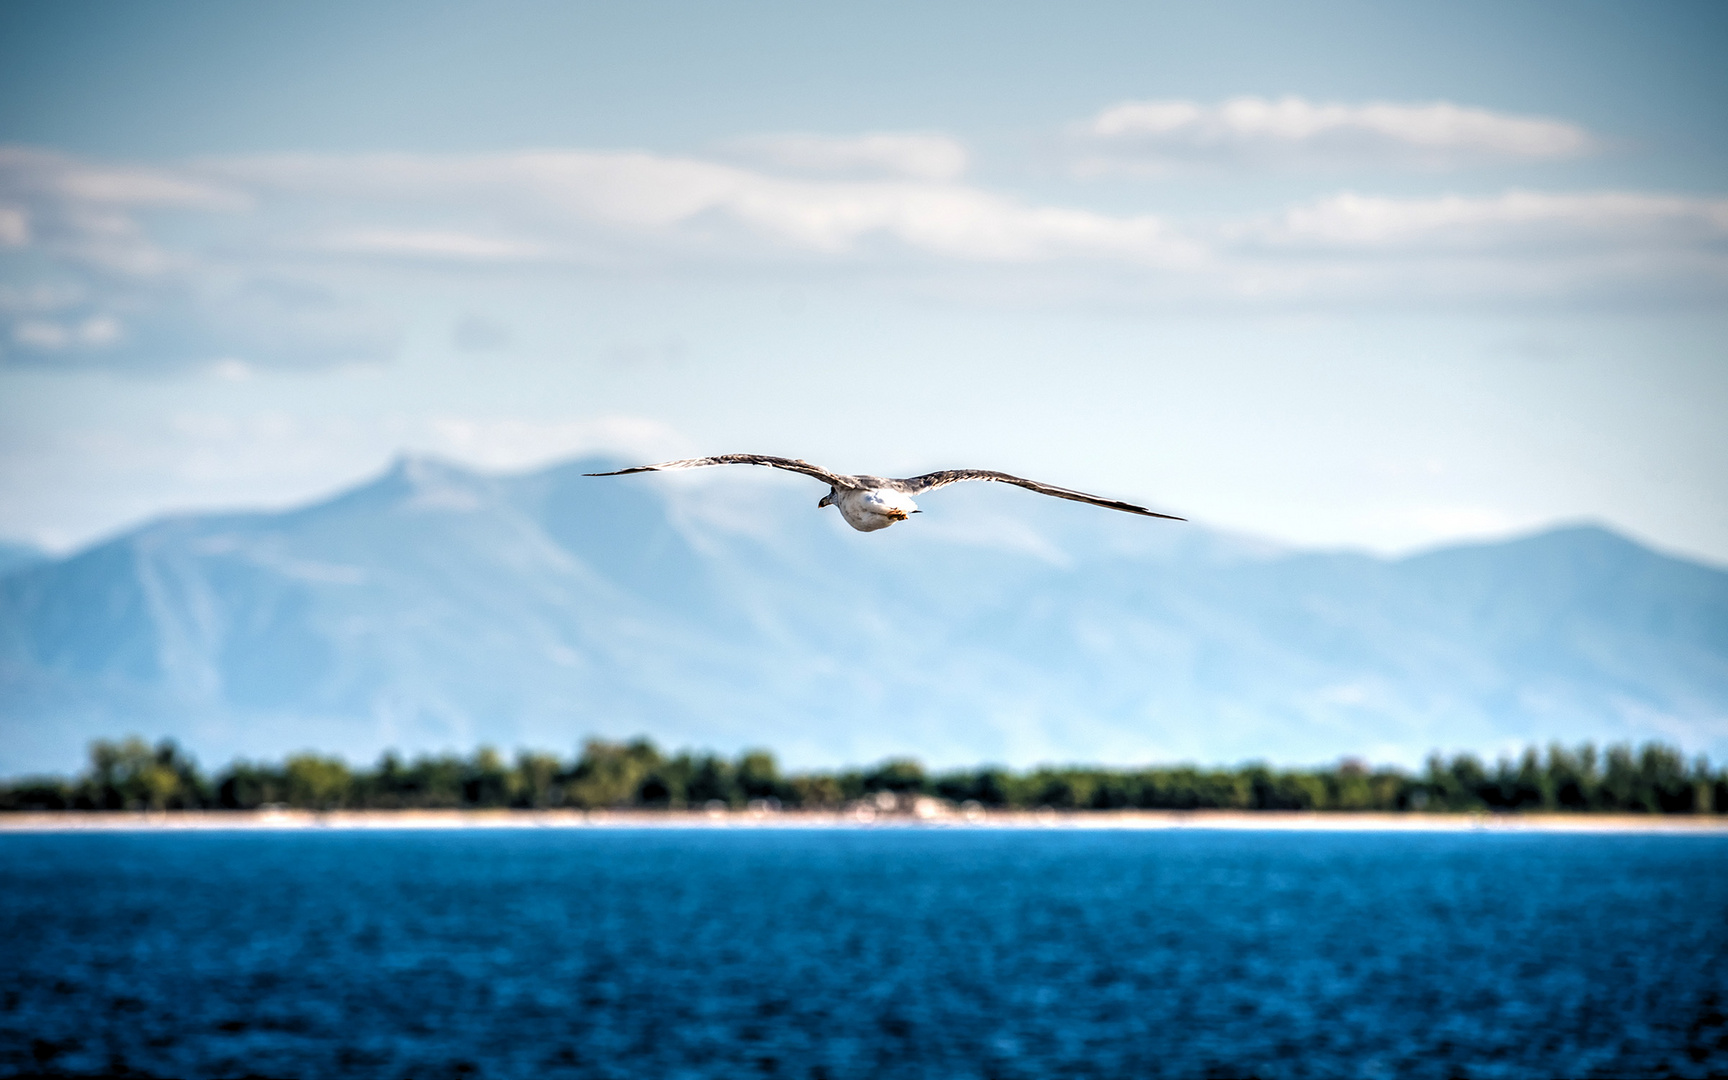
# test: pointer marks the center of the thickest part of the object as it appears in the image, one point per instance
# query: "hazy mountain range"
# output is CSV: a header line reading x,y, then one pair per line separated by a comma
x,y
439,608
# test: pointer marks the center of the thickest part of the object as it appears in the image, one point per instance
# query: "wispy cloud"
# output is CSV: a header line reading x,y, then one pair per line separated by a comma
x,y
583,203
265,260
1516,246
84,212
34,173
908,156
91,275
428,243
14,227
1294,132
605,208
1524,220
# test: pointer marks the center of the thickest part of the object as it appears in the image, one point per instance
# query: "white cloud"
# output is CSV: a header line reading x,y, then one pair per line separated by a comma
x,y
91,279
1292,131
1530,220
33,172
909,156
429,243
266,260
584,203
14,227
193,320
41,334
1515,246
87,212
97,331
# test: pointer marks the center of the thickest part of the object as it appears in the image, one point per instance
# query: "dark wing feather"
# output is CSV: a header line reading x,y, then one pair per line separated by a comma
x,y
792,464
917,485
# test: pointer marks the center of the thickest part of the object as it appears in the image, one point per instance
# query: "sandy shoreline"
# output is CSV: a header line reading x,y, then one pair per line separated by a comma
x,y
1335,821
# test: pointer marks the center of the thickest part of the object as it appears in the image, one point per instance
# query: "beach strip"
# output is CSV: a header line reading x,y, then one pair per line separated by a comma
x,y
72,821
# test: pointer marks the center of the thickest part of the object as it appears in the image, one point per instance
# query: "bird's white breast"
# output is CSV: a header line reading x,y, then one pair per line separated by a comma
x,y
869,509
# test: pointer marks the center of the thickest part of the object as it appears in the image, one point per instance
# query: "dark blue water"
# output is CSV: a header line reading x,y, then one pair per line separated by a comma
x,y
903,953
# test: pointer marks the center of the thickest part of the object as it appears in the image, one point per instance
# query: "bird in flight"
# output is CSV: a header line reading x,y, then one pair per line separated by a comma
x,y
869,503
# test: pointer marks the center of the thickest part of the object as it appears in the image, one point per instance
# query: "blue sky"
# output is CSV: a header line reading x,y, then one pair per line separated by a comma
x,y
1336,274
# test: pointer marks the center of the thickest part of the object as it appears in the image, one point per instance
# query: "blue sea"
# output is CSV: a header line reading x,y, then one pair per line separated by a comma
x,y
863,953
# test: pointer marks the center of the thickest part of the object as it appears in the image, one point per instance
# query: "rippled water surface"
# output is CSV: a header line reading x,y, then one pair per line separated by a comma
x,y
850,953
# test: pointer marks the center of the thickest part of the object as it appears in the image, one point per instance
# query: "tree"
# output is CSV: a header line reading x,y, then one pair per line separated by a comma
x,y
130,775
759,775
534,781
611,774
316,783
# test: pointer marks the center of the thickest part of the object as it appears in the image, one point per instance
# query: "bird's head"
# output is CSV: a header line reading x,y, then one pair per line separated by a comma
x,y
826,500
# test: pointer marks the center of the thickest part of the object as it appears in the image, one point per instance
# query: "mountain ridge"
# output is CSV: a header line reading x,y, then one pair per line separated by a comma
x,y
438,607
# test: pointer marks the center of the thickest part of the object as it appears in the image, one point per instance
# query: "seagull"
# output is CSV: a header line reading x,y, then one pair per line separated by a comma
x,y
869,503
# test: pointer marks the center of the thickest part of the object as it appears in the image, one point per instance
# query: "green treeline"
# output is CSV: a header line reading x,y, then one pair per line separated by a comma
x,y
132,775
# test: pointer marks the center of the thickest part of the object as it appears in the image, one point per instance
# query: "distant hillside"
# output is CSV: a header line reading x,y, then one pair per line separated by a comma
x,y
436,608
16,556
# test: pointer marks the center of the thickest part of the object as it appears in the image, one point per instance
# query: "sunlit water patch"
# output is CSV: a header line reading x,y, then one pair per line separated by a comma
x,y
905,953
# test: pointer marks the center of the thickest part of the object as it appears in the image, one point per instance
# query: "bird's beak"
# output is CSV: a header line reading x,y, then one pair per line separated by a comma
x,y
826,500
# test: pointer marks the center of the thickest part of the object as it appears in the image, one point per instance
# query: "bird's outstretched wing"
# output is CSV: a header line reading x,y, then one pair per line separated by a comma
x,y
917,485
793,464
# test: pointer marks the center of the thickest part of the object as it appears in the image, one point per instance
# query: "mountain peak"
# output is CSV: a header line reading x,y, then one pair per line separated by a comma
x,y
417,481
427,470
